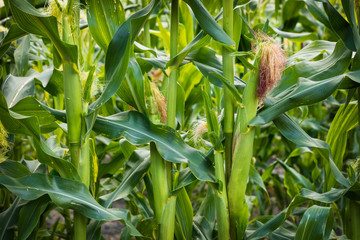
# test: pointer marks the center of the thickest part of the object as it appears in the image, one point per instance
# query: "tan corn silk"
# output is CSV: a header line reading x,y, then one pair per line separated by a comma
x,y
272,64
4,145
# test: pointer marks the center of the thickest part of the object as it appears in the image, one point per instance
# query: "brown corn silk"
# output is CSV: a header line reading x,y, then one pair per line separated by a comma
x,y
272,64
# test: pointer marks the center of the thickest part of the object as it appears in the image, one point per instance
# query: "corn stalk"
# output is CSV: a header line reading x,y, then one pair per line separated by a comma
x,y
73,103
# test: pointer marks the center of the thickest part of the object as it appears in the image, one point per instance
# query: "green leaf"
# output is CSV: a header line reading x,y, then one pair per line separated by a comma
x,y
34,209
304,196
140,163
299,179
311,51
200,40
17,123
118,53
255,176
339,25
296,37
137,129
21,55
307,92
184,213
345,119
10,216
207,23
315,224
116,63
207,62
14,169
348,6
104,18
28,106
14,33
65,193
32,21
16,88
294,133
132,90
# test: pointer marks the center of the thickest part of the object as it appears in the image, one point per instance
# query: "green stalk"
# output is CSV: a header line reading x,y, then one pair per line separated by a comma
x,y
221,200
158,165
352,223
242,154
168,216
73,105
228,70
147,38
171,95
159,180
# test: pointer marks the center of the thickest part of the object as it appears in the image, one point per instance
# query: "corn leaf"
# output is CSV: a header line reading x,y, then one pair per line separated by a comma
x,y
34,209
104,18
315,224
17,123
65,193
118,53
137,129
207,23
14,33
32,21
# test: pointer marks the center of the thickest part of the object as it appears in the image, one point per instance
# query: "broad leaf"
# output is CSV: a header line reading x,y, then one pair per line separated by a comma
x,y
104,18
65,193
315,224
207,23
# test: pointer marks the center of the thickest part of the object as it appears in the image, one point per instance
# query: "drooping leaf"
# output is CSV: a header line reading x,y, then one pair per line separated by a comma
x,y
339,25
207,23
32,21
65,193
140,162
137,129
14,169
296,134
14,33
17,123
307,92
311,50
16,88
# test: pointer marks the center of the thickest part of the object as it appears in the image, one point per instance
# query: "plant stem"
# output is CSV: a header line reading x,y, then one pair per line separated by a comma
x,y
221,200
171,97
147,38
168,216
159,180
73,105
242,154
228,70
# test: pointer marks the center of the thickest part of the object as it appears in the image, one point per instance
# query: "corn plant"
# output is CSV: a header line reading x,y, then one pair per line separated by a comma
x,y
202,119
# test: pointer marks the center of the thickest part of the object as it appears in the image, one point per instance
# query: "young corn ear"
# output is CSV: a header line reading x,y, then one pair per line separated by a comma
x,y
160,101
269,63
